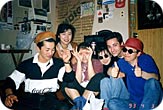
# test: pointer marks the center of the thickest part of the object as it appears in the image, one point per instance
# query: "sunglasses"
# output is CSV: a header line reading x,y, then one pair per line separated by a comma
x,y
130,51
102,57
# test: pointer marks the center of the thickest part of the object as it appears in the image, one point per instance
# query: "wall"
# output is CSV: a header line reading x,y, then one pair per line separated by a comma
x,y
152,39
85,26
69,11
6,62
116,22
9,36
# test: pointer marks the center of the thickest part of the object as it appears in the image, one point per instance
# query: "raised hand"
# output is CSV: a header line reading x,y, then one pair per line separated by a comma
x,y
66,55
115,70
75,53
90,51
138,71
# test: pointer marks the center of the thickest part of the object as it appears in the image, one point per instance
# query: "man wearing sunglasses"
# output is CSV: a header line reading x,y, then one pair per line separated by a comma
x,y
143,90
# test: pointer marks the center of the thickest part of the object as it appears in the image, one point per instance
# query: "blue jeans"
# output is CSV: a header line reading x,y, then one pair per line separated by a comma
x,y
112,88
116,95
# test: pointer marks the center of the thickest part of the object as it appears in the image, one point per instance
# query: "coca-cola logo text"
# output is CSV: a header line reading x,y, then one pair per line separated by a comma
x,y
41,91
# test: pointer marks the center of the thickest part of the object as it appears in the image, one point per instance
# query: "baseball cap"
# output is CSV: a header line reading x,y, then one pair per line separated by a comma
x,y
44,36
134,43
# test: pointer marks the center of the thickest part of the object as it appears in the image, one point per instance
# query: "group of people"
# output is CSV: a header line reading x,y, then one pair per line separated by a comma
x,y
62,74
134,76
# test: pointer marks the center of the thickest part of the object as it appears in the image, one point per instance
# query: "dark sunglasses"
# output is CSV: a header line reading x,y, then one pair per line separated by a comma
x,y
101,57
130,51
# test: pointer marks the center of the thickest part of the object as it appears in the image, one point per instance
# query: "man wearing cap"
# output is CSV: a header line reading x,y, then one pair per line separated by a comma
x,y
143,91
40,75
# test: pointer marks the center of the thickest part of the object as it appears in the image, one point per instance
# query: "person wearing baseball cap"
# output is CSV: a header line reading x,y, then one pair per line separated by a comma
x,y
134,43
44,36
143,91
40,74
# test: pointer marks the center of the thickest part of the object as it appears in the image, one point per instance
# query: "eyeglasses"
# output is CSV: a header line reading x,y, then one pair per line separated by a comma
x,y
130,51
102,57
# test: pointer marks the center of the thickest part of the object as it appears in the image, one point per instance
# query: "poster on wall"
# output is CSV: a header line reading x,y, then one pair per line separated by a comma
x,y
6,17
87,9
100,16
106,2
150,15
25,3
46,5
3,14
6,13
120,3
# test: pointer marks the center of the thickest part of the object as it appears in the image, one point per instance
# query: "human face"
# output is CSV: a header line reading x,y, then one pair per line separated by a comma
x,y
104,57
65,37
46,52
131,57
114,47
84,55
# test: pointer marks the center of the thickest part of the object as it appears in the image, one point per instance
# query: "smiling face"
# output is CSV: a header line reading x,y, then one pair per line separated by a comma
x,y
65,37
114,47
129,56
46,52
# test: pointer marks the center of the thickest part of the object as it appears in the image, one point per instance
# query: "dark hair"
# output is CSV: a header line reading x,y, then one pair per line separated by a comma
x,y
107,34
118,36
64,27
83,45
102,48
40,44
